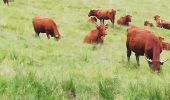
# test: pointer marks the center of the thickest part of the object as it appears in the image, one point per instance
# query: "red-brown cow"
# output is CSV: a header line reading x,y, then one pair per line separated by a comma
x,y
97,35
6,2
147,23
161,23
92,20
142,41
103,15
124,20
45,25
165,45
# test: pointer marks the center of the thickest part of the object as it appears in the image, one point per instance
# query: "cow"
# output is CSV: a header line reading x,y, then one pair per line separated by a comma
x,y
124,20
165,45
103,14
45,25
6,2
161,23
92,20
157,17
147,23
96,35
144,42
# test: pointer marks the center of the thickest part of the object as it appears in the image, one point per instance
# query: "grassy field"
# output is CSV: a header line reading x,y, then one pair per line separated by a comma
x,y
37,68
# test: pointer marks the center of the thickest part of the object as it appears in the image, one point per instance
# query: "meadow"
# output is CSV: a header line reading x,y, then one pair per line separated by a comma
x,y
34,68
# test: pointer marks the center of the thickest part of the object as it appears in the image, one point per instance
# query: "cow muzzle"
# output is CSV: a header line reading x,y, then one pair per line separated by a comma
x,y
161,61
57,36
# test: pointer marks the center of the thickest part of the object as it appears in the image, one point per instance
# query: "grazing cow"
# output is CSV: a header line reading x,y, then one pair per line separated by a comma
x,y
147,23
165,45
103,15
6,2
124,20
142,41
45,25
92,20
97,35
161,23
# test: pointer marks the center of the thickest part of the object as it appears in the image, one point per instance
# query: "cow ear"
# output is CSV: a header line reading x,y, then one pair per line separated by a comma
x,y
161,38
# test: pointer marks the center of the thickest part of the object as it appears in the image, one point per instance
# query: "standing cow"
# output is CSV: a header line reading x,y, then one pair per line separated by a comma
x,y
45,25
103,15
142,41
124,20
97,35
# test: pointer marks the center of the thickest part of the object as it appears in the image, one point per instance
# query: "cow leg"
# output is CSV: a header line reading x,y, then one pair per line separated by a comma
x,y
7,3
100,21
137,59
112,20
128,55
48,35
37,34
103,21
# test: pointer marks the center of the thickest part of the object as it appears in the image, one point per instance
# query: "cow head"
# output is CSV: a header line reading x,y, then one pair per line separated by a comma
x,y
146,23
128,18
161,38
92,13
57,37
57,34
102,29
156,17
92,20
155,60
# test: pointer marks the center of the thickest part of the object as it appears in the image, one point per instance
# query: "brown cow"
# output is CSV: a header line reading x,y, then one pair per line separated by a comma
x,y
161,23
124,20
142,41
165,45
45,25
6,2
92,20
147,23
103,15
97,35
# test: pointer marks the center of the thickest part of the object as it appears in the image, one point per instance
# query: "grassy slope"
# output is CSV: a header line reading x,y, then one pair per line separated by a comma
x,y
31,67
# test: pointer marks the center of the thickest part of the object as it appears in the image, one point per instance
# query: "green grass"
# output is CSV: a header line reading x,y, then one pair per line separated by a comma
x,y
37,68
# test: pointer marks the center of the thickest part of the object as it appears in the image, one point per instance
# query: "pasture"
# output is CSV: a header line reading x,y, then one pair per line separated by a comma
x,y
34,68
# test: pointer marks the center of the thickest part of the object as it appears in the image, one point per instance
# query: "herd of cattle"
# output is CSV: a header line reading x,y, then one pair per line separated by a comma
x,y
139,40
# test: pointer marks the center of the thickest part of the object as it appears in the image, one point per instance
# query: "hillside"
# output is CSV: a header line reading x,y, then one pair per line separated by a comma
x,y
37,68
